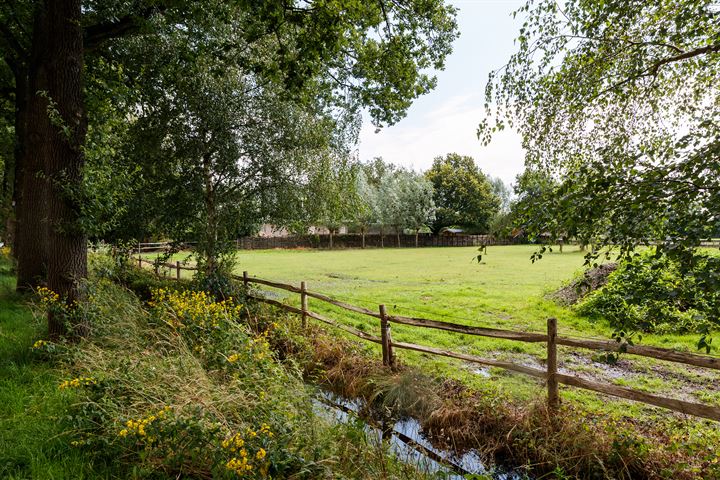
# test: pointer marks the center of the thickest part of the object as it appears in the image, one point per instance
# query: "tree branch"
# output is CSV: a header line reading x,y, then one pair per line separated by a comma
x,y
684,56
95,35
12,41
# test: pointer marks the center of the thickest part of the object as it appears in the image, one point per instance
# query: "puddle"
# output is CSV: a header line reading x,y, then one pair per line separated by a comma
x,y
482,371
408,444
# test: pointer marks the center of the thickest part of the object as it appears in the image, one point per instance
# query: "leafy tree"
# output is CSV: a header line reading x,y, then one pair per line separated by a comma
x,y
389,211
365,213
379,178
224,151
415,202
463,195
347,54
502,191
618,102
331,194
535,187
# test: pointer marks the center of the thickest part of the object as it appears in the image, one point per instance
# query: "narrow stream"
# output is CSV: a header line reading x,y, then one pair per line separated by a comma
x,y
409,445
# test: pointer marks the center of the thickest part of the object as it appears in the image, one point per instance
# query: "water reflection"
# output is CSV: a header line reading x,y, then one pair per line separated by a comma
x,y
409,445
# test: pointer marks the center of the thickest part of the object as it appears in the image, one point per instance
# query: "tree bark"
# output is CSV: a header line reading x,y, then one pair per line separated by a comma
x,y
416,238
362,231
65,125
34,143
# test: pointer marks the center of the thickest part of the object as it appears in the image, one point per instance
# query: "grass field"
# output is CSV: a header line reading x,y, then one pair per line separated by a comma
x,y
505,290
33,443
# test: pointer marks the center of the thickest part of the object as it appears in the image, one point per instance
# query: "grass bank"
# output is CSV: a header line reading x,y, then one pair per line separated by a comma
x,y
177,388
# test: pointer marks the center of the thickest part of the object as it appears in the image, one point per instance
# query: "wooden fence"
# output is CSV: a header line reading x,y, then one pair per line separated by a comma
x,y
550,338
347,241
352,240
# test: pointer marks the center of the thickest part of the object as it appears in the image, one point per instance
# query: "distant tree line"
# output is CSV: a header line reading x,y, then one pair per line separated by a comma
x,y
387,199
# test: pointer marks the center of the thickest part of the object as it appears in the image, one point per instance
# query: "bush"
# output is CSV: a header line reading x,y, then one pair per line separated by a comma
x,y
657,294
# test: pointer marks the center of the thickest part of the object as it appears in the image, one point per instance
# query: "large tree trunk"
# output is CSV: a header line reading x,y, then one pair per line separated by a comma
x,y
417,232
34,139
67,266
362,231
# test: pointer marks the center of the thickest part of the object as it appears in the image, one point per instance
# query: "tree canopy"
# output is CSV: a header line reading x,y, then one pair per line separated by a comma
x,y
63,59
618,102
463,195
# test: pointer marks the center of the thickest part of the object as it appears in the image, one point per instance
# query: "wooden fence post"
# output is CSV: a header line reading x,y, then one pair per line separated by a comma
x,y
245,279
552,382
386,339
303,304
391,355
177,269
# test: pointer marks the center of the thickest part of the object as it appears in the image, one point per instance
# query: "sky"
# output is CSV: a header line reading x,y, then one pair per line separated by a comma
x,y
446,119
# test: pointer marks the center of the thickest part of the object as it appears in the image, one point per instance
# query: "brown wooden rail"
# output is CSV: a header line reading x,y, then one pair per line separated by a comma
x,y
550,374
550,338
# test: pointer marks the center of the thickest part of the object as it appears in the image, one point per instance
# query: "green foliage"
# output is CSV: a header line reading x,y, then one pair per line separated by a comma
x,y
330,198
651,293
463,195
392,197
616,103
184,386
416,204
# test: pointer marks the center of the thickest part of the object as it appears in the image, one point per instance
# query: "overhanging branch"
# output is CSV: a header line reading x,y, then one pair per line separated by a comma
x,y
95,35
684,56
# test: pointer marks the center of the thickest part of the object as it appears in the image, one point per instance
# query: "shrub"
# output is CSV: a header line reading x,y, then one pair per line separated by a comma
x,y
657,294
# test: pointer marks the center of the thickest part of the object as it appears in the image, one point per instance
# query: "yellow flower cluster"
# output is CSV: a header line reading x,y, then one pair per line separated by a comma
x,y
76,382
190,307
236,444
47,296
239,465
233,358
39,344
265,430
5,251
137,427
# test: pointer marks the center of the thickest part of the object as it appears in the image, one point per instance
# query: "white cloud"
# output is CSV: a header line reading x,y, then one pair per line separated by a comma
x,y
449,127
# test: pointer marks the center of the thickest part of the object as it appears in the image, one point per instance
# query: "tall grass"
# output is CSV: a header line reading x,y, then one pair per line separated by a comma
x,y
175,388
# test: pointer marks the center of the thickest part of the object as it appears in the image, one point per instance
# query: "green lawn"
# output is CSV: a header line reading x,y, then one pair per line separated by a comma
x,y
32,438
506,290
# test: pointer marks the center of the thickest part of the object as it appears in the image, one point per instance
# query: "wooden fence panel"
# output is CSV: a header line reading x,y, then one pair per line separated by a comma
x,y
550,374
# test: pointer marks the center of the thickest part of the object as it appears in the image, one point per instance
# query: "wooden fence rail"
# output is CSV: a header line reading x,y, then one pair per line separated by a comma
x,y
549,374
